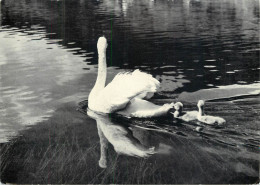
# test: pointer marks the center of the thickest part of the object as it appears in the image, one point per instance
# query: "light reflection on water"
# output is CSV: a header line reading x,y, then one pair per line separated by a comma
x,y
197,49
31,75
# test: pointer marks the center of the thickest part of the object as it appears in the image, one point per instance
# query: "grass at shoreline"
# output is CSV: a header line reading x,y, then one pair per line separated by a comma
x,y
53,153
64,163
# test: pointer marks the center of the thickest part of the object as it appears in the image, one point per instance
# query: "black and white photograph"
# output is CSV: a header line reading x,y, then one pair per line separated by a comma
x,y
129,91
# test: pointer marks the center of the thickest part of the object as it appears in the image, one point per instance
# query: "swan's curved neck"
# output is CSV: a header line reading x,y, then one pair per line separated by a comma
x,y
176,114
102,71
201,110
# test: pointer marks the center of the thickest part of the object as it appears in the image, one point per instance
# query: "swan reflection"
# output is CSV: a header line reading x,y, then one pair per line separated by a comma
x,y
121,137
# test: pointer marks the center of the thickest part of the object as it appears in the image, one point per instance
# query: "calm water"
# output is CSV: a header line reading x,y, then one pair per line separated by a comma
x,y
197,49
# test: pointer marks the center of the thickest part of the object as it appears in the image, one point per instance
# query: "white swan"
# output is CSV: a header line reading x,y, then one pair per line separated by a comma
x,y
185,116
127,90
210,120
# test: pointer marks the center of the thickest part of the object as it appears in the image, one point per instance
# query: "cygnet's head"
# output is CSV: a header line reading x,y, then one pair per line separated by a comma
x,y
200,103
178,106
102,45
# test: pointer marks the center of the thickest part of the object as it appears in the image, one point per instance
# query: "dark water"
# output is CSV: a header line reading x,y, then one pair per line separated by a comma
x,y
197,50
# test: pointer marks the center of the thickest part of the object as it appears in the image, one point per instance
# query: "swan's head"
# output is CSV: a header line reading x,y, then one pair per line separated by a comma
x,y
102,163
102,45
200,103
178,106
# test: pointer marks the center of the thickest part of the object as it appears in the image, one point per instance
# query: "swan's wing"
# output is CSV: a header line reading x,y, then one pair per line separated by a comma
x,y
137,81
126,86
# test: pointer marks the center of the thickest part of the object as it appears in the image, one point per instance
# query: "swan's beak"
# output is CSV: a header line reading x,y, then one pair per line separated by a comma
x,y
102,44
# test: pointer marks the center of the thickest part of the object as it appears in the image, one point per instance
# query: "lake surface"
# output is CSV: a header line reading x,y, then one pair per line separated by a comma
x,y
197,49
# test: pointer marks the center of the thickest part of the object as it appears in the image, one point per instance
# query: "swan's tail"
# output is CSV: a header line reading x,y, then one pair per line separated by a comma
x,y
149,152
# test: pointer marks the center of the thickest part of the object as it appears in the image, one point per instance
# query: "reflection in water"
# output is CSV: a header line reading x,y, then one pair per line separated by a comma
x,y
120,137
31,79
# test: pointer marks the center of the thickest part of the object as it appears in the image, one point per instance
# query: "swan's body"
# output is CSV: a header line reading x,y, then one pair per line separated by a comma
x,y
125,90
210,120
185,116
